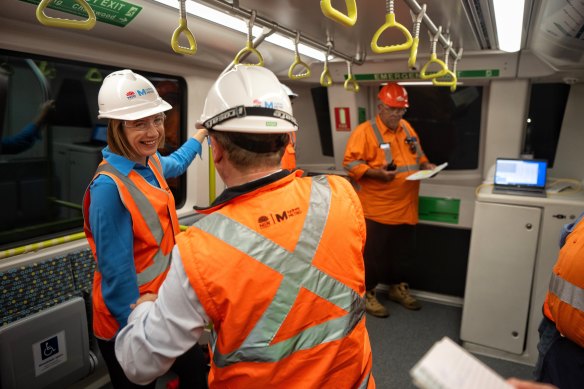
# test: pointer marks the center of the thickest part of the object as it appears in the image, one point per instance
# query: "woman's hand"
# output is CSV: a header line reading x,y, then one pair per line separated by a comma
x,y
201,134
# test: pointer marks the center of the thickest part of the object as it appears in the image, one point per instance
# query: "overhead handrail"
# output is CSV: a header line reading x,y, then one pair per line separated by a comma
x,y
298,62
183,28
424,74
93,75
391,23
233,8
415,7
325,77
449,74
351,84
348,20
87,24
417,19
248,49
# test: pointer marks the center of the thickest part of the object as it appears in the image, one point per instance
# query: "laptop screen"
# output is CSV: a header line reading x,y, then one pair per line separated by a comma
x,y
520,173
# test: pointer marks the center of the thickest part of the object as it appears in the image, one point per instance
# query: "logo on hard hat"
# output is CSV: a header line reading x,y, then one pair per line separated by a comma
x,y
400,98
130,95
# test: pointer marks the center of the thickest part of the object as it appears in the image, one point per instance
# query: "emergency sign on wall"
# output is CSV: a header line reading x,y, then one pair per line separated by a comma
x,y
342,119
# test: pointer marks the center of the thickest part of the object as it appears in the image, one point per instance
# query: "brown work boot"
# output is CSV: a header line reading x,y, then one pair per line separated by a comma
x,y
400,293
373,306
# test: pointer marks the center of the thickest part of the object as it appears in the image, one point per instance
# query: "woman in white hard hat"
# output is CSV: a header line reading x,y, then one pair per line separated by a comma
x,y
130,215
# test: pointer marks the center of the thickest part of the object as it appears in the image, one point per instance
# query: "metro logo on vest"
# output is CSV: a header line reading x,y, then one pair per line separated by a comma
x,y
264,221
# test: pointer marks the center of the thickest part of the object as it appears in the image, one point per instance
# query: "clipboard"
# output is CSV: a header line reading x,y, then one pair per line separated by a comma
x,y
423,174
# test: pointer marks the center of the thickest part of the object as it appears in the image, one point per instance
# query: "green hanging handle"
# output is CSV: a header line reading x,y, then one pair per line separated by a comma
x,y
391,23
183,28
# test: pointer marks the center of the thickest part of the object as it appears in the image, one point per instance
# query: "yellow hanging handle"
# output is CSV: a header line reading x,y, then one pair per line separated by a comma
x,y
348,20
351,84
298,62
183,28
249,46
417,19
391,23
87,24
434,60
451,78
325,77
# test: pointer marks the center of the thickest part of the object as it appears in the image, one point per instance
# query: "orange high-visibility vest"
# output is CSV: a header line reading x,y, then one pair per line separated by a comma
x,y
289,157
564,303
154,223
394,202
280,273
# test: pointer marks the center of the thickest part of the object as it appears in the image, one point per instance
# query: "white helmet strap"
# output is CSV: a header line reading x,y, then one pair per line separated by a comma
x,y
242,111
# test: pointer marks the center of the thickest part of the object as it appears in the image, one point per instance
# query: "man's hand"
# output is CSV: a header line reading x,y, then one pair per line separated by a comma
x,y
523,384
427,166
381,174
144,297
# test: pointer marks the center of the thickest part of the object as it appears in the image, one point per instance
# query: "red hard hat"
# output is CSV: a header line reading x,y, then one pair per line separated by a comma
x,y
394,95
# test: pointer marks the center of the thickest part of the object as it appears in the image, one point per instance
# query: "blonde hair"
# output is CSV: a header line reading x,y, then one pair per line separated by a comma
x,y
118,143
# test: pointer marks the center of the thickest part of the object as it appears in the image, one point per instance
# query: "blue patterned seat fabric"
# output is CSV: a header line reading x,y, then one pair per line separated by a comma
x,y
32,288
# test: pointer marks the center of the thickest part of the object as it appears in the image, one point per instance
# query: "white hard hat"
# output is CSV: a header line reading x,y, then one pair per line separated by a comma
x,y
248,99
289,91
125,95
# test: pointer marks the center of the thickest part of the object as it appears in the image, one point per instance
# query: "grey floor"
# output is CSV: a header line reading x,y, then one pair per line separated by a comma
x,y
400,340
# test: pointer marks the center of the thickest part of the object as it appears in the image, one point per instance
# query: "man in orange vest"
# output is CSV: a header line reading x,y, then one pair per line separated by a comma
x,y
265,267
561,345
289,157
379,155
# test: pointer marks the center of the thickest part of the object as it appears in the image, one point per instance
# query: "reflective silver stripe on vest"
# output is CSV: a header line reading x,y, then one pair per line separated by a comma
x,y
388,155
354,163
161,261
365,382
387,151
298,273
567,292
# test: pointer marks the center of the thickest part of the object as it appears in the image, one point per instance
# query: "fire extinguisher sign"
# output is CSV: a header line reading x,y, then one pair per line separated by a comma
x,y
342,119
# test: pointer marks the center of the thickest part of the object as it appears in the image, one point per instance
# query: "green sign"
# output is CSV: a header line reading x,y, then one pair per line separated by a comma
x,y
116,12
439,209
404,76
362,114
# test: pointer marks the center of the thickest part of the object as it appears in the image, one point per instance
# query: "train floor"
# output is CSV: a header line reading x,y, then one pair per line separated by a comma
x,y
400,340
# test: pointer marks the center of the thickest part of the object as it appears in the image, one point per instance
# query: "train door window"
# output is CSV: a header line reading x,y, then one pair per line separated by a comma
x,y
546,112
46,162
448,123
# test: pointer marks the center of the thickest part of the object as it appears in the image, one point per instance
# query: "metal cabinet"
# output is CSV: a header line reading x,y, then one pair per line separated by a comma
x,y
514,245
502,254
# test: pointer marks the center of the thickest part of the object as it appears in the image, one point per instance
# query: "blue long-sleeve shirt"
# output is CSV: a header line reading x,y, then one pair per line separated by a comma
x,y
21,141
111,226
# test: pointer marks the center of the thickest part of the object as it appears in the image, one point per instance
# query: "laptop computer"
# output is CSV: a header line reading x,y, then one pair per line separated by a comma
x,y
522,177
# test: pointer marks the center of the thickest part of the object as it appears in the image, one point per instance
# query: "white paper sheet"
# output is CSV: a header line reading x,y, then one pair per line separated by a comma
x,y
423,174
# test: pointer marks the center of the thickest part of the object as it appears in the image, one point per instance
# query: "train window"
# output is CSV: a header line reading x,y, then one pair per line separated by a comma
x,y
546,112
448,123
44,172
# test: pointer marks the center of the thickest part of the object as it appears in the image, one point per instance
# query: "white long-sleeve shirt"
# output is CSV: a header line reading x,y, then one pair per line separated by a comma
x,y
159,332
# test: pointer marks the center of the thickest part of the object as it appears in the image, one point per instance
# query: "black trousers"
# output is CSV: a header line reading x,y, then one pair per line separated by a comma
x,y
190,367
389,252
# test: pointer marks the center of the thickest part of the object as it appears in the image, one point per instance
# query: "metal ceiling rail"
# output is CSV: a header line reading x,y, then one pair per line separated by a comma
x,y
415,7
234,9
